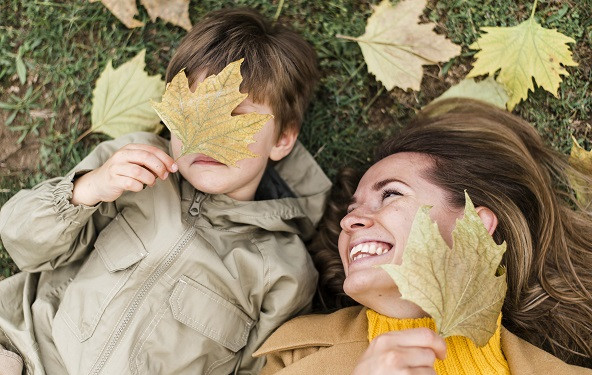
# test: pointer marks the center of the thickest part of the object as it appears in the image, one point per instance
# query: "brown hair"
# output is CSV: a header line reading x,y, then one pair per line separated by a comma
x,y
279,69
504,165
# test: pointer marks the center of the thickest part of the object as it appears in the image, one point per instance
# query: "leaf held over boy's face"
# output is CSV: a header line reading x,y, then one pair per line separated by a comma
x,y
522,53
458,287
121,99
395,46
581,161
202,120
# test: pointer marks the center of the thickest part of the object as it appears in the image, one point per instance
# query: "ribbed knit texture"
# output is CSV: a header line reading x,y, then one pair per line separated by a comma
x,y
462,356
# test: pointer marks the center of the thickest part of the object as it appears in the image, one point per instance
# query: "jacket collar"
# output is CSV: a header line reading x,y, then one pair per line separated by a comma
x,y
299,214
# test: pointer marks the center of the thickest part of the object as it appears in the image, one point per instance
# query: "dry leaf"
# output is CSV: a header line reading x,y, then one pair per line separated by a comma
x,y
173,11
396,47
522,53
121,99
581,160
124,10
202,120
487,90
458,287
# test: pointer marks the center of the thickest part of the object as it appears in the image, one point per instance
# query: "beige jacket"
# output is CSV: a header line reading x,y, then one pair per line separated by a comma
x,y
165,281
332,344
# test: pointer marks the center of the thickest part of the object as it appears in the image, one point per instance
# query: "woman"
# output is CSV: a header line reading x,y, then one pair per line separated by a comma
x,y
521,192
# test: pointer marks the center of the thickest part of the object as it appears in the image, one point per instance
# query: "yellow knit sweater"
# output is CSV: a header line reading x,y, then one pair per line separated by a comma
x,y
463,357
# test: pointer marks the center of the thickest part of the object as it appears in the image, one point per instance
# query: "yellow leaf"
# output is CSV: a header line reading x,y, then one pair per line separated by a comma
x,y
202,120
458,287
581,160
124,10
522,53
487,90
121,99
173,11
396,47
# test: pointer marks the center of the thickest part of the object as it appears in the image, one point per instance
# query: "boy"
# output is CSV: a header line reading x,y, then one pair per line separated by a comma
x,y
133,268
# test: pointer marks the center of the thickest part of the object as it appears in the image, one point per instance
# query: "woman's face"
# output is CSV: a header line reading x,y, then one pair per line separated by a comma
x,y
379,219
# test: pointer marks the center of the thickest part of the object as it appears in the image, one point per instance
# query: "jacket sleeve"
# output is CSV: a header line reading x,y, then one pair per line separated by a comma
x,y
42,230
290,279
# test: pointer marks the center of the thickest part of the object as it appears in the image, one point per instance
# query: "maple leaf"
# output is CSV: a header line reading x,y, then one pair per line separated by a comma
x,y
202,120
458,287
581,161
522,53
121,99
173,11
487,90
395,46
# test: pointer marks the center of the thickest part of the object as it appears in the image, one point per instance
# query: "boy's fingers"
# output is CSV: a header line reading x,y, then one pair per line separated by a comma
x,y
165,158
146,159
137,173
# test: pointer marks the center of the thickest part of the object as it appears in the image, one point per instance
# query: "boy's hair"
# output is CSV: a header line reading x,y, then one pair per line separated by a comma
x,y
279,69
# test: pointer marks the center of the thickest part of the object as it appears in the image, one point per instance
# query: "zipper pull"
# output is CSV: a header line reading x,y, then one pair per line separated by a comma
x,y
195,208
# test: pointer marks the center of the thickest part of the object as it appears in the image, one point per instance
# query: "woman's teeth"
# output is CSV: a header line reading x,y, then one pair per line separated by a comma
x,y
367,249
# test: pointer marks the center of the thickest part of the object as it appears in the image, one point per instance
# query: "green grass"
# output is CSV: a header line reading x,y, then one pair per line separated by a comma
x,y
63,47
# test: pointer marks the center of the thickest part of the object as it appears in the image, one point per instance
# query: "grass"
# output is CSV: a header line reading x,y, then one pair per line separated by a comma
x,y
52,52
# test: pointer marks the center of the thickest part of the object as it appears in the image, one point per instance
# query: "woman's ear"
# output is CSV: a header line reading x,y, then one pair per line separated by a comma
x,y
284,144
488,218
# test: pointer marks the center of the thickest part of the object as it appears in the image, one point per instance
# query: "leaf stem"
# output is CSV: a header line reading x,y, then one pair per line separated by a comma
x,y
346,37
533,8
279,10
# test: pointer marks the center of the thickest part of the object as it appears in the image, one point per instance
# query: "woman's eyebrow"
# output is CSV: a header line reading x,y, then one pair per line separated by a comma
x,y
380,184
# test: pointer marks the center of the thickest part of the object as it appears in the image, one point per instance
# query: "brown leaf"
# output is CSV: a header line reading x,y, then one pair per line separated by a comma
x,y
124,10
173,11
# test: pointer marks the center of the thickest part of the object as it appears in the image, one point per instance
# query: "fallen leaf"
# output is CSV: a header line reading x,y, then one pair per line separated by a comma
x,y
203,119
581,160
458,287
522,53
395,46
487,90
173,11
121,99
124,10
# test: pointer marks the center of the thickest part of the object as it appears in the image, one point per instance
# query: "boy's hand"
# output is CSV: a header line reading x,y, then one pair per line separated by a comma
x,y
130,168
411,351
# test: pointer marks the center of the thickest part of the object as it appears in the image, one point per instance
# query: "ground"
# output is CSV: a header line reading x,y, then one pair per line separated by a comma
x,y
65,45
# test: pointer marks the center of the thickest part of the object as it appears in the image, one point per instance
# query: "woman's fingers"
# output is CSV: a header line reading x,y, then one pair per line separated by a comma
x,y
417,337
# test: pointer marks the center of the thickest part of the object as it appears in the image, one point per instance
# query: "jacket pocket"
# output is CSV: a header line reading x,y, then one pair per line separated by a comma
x,y
209,314
108,267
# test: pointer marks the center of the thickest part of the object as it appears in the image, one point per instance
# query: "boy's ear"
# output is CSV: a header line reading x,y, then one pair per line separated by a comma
x,y
488,218
284,144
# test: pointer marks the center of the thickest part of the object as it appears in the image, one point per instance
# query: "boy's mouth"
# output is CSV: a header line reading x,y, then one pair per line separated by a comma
x,y
205,160
368,249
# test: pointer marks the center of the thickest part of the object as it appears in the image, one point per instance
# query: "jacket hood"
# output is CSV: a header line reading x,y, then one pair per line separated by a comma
x,y
299,214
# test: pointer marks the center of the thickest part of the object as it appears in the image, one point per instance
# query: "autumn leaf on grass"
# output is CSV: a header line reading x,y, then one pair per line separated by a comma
x,y
121,99
173,11
395,46
522,53
581,161
487,90
458,287
202,120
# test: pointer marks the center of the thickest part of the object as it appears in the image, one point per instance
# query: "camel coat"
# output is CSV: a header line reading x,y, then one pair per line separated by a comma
x,y
332,344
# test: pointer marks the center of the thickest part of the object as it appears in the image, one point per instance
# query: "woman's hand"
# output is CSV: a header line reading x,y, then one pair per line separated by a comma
x,y
411,351
130,168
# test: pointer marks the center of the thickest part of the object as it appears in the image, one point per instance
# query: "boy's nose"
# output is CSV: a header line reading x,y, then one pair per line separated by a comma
x,y
357,219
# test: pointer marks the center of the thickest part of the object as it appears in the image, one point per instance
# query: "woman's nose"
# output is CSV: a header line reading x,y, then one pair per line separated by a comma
x,y
357,219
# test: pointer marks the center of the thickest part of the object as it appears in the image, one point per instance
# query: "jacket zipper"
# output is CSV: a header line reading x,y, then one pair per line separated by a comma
x,y
138,298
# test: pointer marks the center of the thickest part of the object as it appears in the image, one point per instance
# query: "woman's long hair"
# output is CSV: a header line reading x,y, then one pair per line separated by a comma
x,y
504,165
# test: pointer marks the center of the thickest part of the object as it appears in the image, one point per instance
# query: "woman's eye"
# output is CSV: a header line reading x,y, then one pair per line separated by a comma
x,y
390,193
